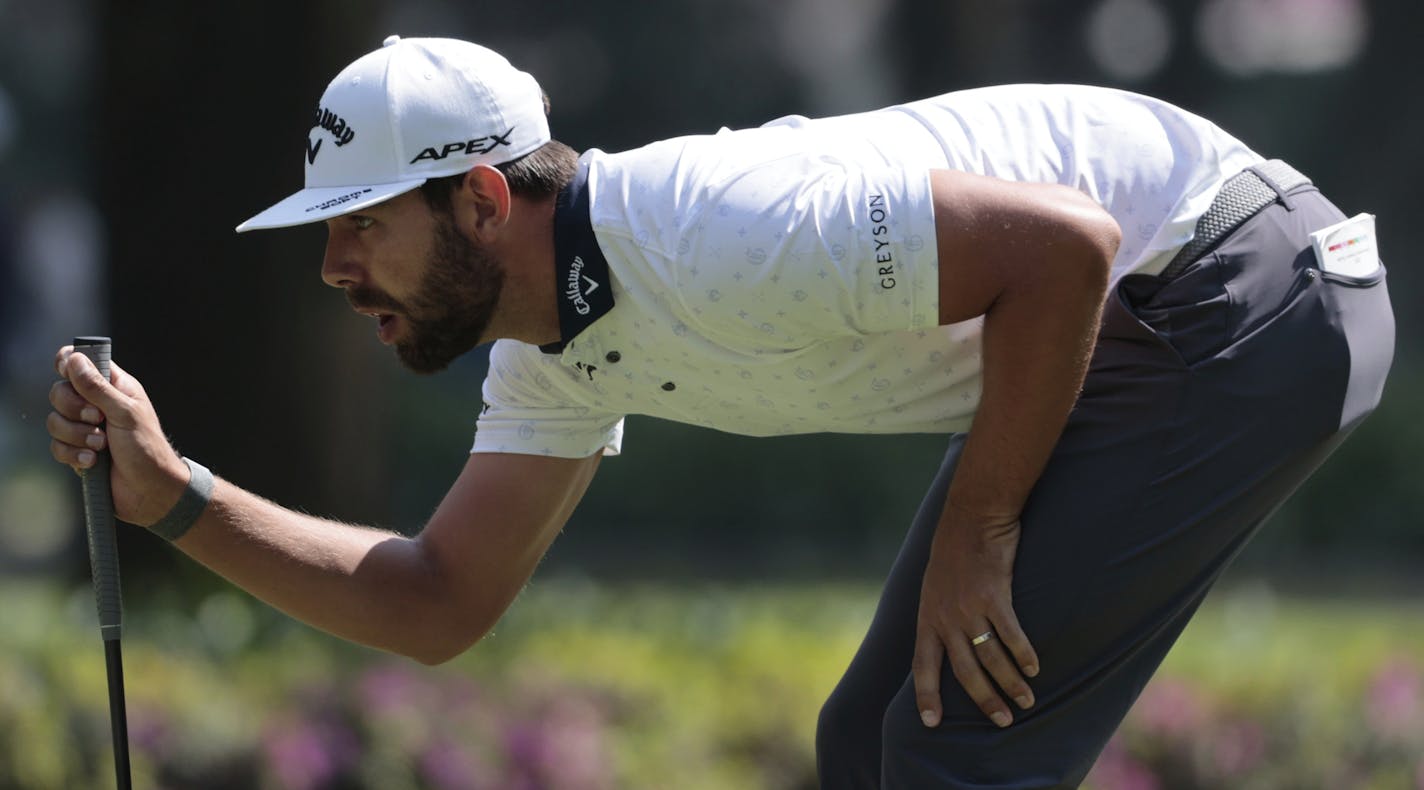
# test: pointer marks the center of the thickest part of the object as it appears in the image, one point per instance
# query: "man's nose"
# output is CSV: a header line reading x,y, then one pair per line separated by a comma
x,y
339,267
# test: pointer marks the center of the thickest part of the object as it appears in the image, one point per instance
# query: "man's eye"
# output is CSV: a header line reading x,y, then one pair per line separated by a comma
x,y
362,222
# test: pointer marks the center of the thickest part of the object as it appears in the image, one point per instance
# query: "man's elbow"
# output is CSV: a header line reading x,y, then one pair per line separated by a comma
x,y
435,656
1076,240
447,641
452,609
450,618
1104,240
1095,236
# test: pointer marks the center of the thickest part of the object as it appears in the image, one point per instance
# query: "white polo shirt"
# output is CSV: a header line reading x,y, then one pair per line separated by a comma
x,y
784,279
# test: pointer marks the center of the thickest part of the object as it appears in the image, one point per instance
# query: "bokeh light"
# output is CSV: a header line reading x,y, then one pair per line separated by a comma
x,y
37,516
1253,37
1129,39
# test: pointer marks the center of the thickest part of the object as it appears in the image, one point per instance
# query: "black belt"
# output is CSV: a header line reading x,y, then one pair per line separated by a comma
x,y
1240,198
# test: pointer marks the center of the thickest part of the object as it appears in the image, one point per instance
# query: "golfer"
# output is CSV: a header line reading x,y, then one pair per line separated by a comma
x,y
1138,336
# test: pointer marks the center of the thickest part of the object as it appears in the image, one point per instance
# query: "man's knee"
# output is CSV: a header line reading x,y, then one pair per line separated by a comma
x,y
847,744
967,752
830,726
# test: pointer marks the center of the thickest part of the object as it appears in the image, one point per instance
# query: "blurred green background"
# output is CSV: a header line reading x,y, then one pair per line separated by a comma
x,y
710,588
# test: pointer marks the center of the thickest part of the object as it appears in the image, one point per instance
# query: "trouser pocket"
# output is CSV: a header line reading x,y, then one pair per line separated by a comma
x,y
1189,313
1360,310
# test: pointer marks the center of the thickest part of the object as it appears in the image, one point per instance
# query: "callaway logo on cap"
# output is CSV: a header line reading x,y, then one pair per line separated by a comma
x,y
415,109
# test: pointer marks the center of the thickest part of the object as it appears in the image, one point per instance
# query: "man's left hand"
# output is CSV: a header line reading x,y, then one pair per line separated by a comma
x,y
966,597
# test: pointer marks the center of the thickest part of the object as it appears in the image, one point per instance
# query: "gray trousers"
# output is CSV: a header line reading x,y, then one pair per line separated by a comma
x,y
1210,398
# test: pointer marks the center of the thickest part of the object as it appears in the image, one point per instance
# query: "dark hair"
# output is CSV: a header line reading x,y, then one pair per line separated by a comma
x,y
536,175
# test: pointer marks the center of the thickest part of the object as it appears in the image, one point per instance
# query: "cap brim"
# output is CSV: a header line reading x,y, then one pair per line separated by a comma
x,y
316,204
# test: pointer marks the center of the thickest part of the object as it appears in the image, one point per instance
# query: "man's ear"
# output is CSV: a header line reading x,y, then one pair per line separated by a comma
x,y
482,203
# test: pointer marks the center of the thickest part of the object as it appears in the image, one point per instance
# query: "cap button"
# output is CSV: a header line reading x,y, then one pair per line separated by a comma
x,y
390,40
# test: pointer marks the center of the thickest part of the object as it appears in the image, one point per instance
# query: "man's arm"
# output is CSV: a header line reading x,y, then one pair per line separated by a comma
x,y
428,597
1034,260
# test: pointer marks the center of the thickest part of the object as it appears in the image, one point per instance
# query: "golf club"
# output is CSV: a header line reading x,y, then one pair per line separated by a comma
x,y
104,563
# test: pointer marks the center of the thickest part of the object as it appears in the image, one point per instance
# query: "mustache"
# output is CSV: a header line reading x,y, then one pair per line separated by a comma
x,y
364,298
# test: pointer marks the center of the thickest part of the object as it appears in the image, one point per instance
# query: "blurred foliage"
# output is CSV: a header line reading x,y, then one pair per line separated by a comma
x,y
638,687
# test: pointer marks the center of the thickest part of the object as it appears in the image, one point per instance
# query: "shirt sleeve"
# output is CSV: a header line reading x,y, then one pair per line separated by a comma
x,y
529,408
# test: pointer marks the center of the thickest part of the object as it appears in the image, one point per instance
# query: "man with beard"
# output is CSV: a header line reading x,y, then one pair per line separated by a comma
x,y
450,312
940,266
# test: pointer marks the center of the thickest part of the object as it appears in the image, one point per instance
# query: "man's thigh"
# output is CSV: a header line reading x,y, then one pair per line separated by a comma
x,y
1209,400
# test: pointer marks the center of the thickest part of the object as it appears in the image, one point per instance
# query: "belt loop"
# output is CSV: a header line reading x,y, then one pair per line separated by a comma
x,y
1263,172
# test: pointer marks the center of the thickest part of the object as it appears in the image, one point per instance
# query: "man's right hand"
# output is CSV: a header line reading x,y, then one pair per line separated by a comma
x,y
91,414
428,597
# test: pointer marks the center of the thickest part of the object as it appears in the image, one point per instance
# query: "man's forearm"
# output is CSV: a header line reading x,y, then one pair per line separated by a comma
x,y
355,582
429,598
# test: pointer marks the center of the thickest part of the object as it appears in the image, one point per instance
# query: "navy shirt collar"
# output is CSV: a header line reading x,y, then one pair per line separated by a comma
x,y
581,279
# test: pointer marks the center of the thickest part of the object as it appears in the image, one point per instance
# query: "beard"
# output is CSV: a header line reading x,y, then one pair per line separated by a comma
x,y
453,303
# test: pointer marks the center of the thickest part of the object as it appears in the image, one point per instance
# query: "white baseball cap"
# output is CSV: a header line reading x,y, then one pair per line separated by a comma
x,y
415,109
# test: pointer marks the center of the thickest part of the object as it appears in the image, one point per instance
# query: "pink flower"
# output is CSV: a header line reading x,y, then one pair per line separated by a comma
x,y
307,754
391,688
1170,708
1117,770
576,752
1394,700
449,767
562,747
150,731
1237,747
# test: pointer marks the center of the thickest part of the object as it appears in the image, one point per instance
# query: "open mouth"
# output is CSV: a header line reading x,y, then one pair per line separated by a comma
x,y
385,324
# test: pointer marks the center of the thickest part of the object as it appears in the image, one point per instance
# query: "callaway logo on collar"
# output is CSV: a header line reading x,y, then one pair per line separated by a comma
x,y
580,270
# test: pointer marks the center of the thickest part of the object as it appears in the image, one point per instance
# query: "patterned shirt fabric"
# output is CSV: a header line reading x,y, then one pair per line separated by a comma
x,y
783,279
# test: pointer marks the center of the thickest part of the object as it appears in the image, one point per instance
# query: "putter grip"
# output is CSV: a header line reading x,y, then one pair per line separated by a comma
x,y
99,514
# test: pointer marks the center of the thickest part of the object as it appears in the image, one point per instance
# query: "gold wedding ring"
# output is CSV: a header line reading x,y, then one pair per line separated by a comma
x,y
982,638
